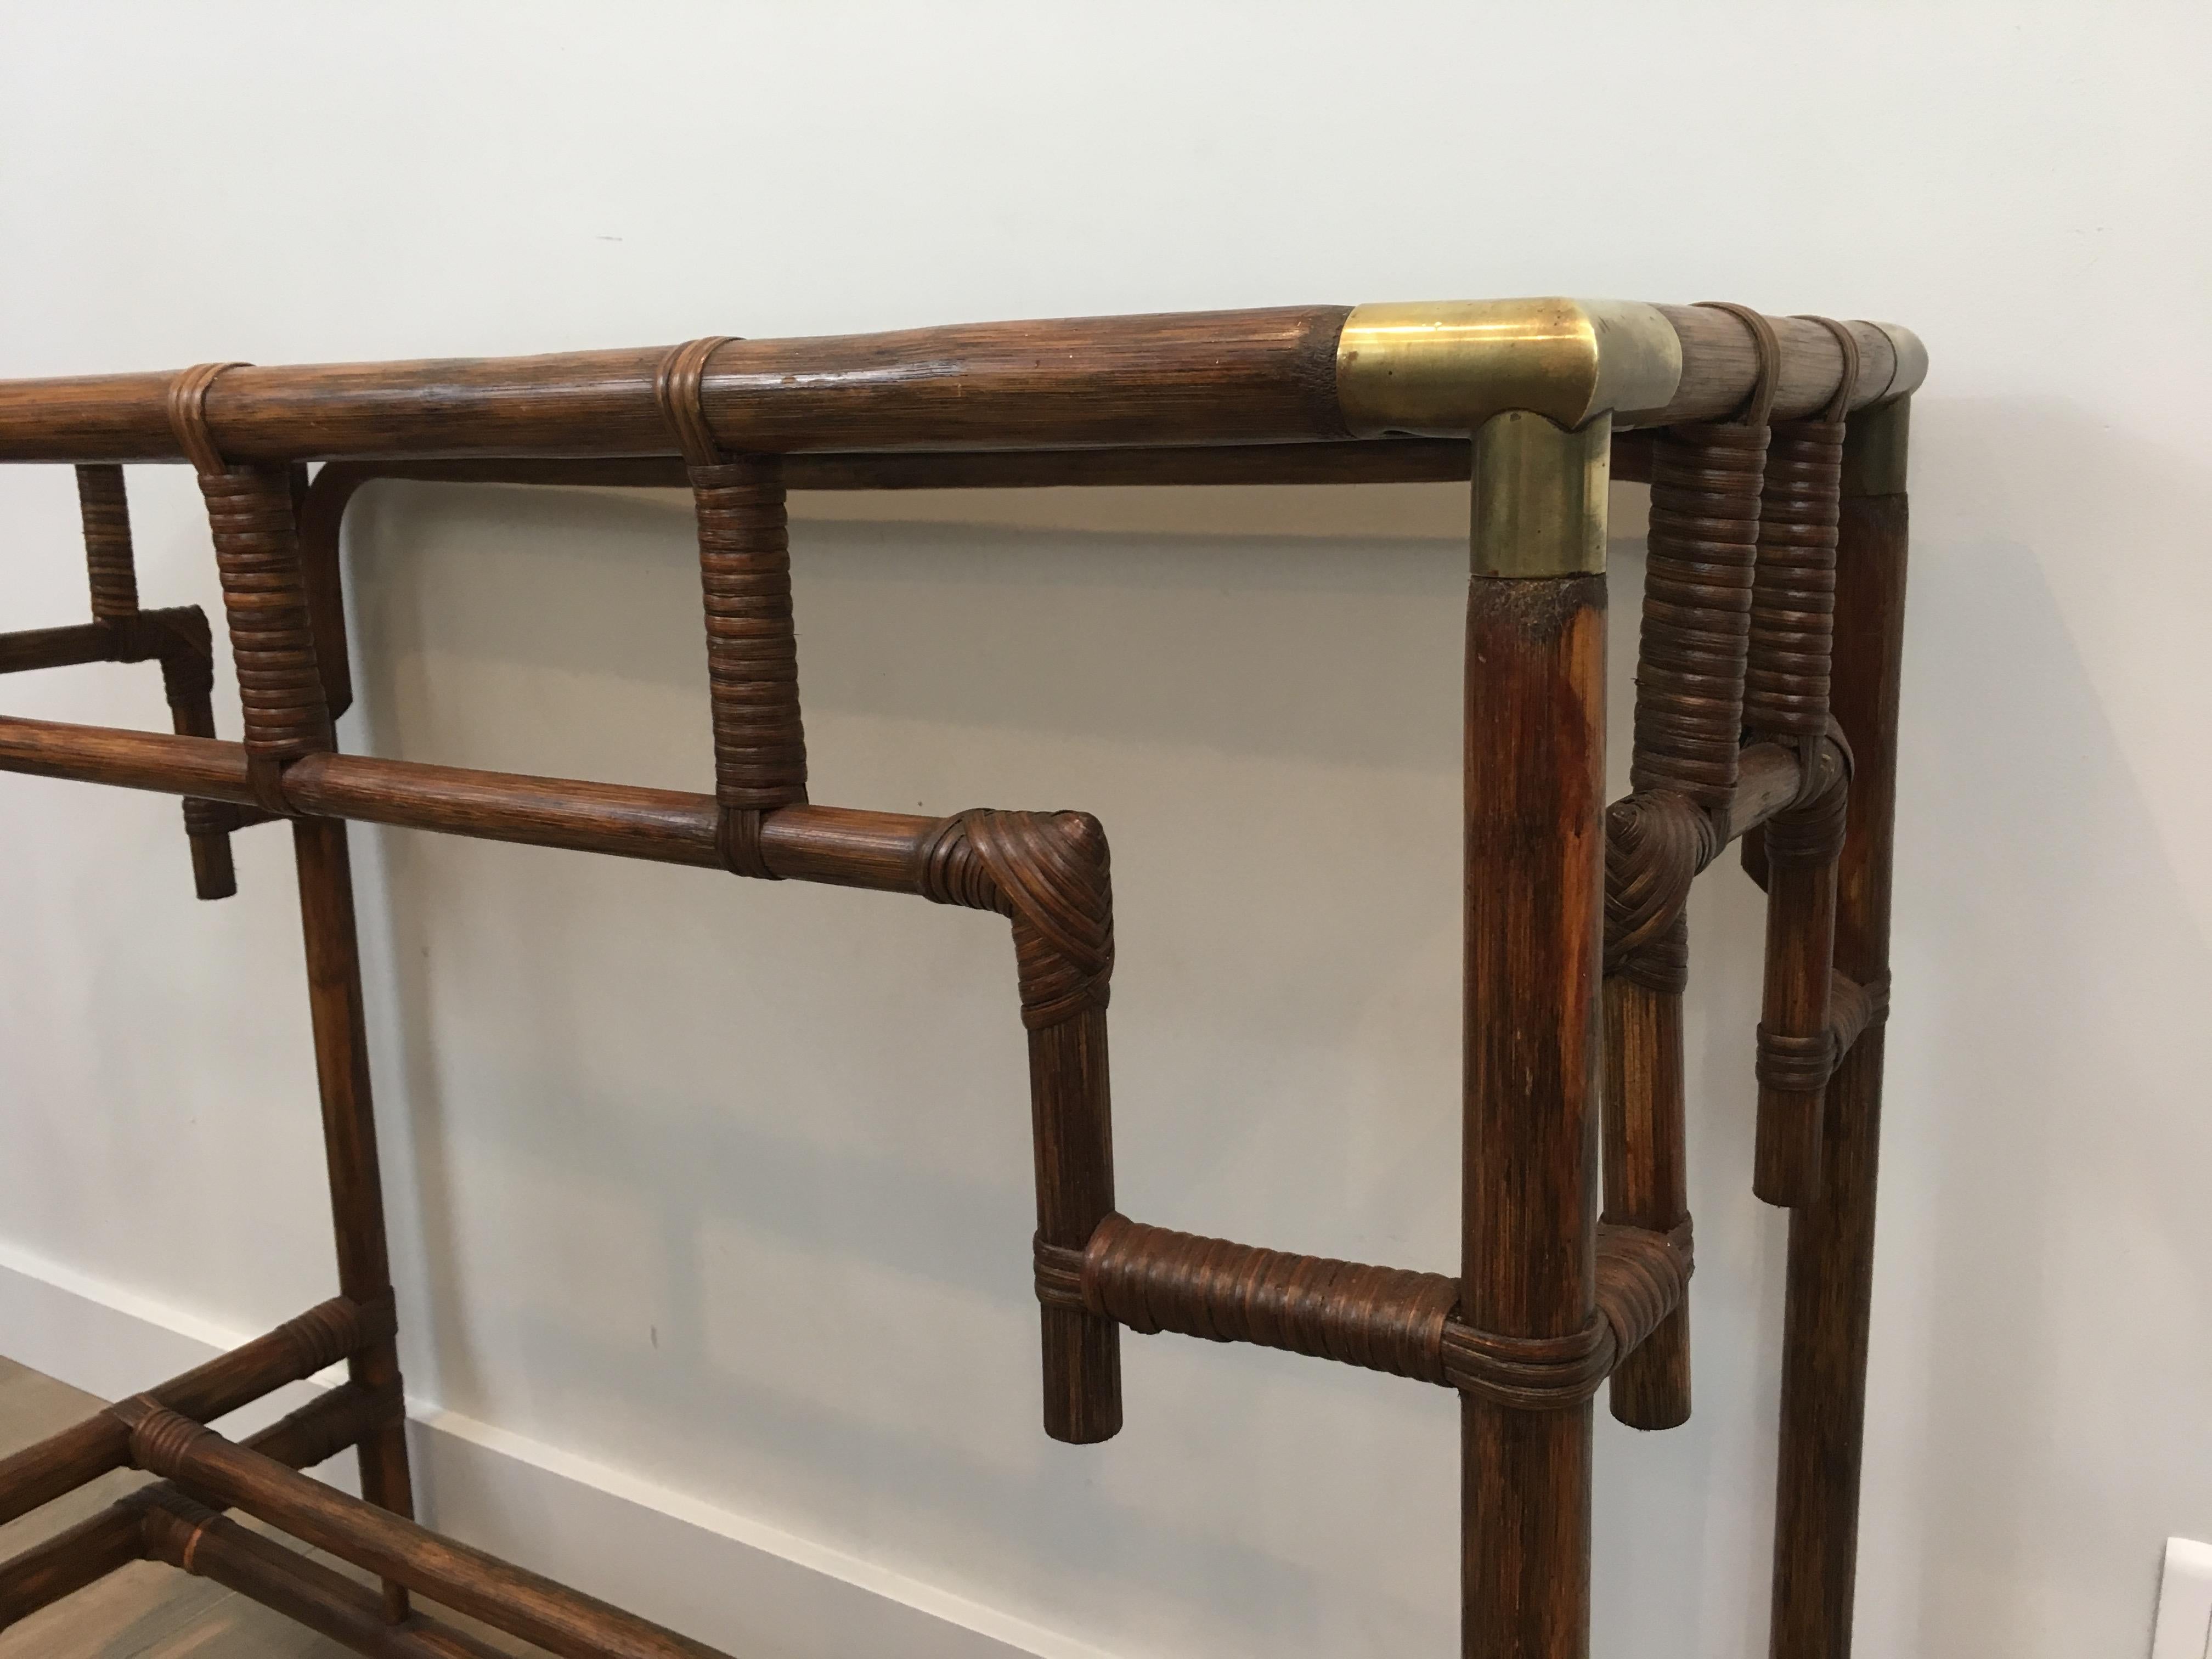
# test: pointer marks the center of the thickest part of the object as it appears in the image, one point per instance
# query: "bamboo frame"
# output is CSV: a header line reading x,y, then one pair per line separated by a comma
x,y
1575,951
178,639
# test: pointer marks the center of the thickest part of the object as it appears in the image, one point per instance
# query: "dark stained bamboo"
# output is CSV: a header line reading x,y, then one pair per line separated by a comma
x,y
254,515
741,512
1647,1179
341,1036
70,1561
186,652
321,519
1686,772
1385,1319
1852,1008
251,514
198,1540
133,638
178,639
1534,801
1049,874
321,1429
67,646
847,846
1549,1300
1797,1049
1198,377
189,684
1051,881
298,1348
1767,780
1047,871
1646,1162
666,826
1829,1296
843,846
128,759
1214,377
1786,701
1072,1135
97,1546
507,1597
110,568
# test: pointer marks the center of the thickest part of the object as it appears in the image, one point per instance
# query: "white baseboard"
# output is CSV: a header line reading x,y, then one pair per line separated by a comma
x,y
717,1576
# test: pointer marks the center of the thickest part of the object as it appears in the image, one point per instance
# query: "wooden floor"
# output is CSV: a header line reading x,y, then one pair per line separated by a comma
x,y
147,1611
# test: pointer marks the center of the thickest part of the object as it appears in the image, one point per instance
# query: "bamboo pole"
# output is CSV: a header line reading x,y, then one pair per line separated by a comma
x,y
1829,1282
1535,893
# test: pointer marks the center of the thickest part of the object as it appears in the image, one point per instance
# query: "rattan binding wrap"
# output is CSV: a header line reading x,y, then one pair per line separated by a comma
x,y
1786,701
1793,610
257,548
177,638
106,513
752,647
1707,483
1049,872
1393,1319
1155,1278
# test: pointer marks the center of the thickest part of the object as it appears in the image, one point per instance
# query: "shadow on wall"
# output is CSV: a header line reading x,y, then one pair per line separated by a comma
x,y
895,610
2044,1311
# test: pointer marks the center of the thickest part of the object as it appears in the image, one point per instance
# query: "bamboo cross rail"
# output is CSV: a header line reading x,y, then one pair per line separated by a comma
x,y
1766,715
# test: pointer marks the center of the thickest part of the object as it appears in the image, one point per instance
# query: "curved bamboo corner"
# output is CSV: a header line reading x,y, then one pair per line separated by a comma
x,y
1765,717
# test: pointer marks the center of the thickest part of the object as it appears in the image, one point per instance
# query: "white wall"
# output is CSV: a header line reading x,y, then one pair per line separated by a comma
x,y
724,1187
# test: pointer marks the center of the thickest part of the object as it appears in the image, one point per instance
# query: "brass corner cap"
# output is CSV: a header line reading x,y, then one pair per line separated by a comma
x,y
1441,369
1912,362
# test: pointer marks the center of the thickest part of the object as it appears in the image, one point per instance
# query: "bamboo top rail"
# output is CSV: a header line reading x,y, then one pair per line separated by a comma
x,y
1292,374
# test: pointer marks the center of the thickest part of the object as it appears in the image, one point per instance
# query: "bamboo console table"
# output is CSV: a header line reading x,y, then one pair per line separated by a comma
x,y
1766,712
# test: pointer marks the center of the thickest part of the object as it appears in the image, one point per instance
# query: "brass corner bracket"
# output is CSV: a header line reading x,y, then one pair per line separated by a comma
x,y
1540,497
1442,368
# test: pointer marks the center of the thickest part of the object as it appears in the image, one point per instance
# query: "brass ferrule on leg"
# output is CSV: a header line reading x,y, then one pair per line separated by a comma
x,y
1540,497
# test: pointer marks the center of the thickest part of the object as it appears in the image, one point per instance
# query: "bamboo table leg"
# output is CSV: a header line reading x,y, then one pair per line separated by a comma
x,y
254,515
1831,1274
1536,803
349,1138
